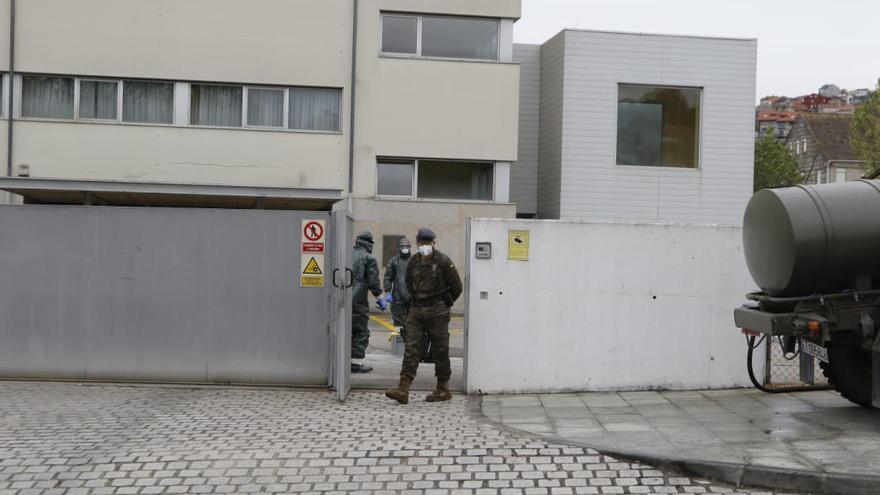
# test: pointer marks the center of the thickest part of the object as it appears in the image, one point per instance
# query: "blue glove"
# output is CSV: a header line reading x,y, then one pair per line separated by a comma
x,y
382,304
388,298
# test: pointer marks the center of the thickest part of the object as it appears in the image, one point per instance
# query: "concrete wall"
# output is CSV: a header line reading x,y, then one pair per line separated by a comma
x,y
90,151
593,186
524,173
550,135
426,108
602,306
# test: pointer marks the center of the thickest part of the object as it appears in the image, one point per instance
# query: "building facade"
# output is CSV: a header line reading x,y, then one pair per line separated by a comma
x,y
820,143
638,127
409,108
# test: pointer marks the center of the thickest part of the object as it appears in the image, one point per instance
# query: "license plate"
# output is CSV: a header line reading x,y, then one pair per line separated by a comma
x,y
817,351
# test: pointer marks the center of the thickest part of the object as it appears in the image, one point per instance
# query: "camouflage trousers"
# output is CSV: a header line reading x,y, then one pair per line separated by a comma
x,y
398,315
432,321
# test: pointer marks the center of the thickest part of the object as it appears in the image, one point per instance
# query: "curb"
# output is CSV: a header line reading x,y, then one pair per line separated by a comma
x,y
733,473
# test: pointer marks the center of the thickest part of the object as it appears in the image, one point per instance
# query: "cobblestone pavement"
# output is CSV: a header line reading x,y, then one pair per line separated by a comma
x,y
69,438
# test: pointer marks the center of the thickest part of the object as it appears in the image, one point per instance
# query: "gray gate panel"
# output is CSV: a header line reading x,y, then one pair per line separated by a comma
x,y
159,294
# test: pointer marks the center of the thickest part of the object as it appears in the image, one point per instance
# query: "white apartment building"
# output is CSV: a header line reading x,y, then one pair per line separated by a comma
x,y
636,127
408,105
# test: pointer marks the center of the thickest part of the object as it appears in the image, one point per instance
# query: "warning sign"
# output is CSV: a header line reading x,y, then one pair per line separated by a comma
x,y
518,245
313,236
312,274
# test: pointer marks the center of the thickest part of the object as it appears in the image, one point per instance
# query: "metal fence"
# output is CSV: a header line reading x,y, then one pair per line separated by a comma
x,y
784,370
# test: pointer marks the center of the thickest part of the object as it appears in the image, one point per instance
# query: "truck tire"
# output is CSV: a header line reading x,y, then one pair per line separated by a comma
x,y
849,368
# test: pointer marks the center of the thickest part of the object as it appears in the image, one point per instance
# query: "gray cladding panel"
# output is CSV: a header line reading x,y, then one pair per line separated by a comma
x,y
158,294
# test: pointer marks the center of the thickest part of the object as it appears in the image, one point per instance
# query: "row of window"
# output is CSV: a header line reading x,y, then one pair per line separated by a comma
x,y
440,36
436,179
153,102
798,147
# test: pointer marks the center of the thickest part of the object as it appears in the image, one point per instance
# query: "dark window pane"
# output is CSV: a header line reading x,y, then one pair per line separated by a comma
x,y
395,179
455,180
47,97
456,37
215,105
399,34
97,100
658,126
148,102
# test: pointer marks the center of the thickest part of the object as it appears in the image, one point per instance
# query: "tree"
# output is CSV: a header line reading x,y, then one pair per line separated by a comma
x,y
865,131
775,166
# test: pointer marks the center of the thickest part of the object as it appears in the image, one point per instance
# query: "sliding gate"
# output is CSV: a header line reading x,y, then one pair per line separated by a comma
x,y
170,294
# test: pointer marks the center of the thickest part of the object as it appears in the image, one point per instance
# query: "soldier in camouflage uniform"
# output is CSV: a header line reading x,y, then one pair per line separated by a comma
x,y
434,285
365,279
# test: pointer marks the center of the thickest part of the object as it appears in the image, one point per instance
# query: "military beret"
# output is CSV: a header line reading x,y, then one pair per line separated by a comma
x,y
425,234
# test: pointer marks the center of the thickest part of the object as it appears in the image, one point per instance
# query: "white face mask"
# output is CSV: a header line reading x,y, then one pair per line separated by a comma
x,y
404,251
426,250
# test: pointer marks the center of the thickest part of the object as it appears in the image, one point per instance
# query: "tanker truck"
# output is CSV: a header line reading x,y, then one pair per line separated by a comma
x,y
814,252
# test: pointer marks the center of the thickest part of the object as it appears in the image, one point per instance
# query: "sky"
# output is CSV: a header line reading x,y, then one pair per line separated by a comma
x,y
801,44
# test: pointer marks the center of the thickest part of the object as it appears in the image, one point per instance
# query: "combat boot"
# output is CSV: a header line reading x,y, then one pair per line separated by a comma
x,y
401,393
441,394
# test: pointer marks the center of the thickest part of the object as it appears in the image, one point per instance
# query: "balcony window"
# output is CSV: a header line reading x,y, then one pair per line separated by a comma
x,y
265,107
315,109
98,99
470,38
147,102
436,179
214,105
47,97
658,126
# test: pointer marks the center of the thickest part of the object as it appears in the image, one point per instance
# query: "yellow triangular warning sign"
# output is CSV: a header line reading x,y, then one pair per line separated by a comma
x,y
312,268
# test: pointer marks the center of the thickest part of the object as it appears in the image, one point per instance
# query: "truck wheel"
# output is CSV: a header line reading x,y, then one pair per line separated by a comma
x,y
849,368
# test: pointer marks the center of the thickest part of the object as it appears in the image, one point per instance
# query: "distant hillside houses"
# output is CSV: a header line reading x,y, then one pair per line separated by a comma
x,y
776,115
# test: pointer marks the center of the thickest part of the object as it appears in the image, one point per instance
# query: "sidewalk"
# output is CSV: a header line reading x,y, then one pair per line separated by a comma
x,y
117,439
813,441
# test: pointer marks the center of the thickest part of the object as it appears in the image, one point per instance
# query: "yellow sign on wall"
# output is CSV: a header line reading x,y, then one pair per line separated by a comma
x,y
518,245
312,270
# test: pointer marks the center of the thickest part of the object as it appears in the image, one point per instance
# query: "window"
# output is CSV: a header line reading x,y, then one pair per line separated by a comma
x,y
840,175
436,179
314,109
148,102
440,36
215,105
265,107
804,145
400,34
797,148
658,126
396,178
98,99
455,180
458,37
47,97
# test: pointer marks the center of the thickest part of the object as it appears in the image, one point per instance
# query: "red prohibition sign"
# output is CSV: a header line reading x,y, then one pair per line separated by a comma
x,y
313,231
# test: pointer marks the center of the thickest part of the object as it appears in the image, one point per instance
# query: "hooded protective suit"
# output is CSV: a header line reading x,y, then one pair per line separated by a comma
x,y
365,279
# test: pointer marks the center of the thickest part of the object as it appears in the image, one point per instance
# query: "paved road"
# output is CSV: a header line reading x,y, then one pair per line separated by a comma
x,y
102,439
807,439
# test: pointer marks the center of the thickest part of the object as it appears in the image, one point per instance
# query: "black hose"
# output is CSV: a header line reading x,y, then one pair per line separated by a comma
x,y
780,390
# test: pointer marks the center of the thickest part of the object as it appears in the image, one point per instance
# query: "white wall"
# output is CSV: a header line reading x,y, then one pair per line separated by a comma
x,y
602,306
550,133
524,173
592,185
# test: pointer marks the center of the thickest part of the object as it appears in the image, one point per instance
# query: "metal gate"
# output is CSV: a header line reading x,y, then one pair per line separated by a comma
x,y
165,294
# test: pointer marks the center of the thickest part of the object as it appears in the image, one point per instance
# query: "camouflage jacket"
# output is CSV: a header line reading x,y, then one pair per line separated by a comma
x,y
429,277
